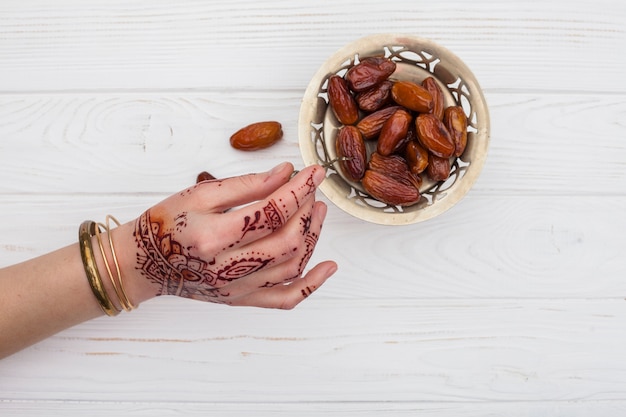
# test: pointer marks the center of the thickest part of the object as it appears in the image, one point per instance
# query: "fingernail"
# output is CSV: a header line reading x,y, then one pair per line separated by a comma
x,y
278,168
332,268
322,209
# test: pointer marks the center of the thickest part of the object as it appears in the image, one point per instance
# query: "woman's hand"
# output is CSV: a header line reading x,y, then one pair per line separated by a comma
x,y
237,241
240,241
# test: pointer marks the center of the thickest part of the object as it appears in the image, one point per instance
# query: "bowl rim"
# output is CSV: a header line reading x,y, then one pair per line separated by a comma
x,y
377,44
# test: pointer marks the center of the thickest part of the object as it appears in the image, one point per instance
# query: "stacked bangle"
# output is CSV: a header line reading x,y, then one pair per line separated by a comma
x,y
87,230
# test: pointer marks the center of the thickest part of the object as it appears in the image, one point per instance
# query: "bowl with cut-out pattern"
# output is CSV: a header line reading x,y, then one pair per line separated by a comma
x,y
416,59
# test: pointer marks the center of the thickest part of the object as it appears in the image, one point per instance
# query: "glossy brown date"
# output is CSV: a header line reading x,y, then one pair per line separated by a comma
x,y
412,96
434,136
369,72
394,130
455,120
371,125
438,169
416,157
204,176
375,98
433,88
341,101
257,136
394,166
351,151
389,190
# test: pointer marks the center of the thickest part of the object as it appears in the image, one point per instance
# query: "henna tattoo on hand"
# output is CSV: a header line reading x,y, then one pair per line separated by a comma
x,y
179,270
274,216
305,221
274,219
163,260
310,185
276,213
310,241
307,291
309,245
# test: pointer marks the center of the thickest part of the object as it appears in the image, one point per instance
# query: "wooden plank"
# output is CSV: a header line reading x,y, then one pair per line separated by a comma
x,y
546,143
549,45
395,351
104,141
487,246
306,409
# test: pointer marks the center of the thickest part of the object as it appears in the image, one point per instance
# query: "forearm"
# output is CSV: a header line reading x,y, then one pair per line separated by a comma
x,y
43,296
50,293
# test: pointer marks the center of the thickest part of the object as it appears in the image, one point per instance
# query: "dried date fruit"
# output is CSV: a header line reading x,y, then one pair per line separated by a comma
x,y
411,135
369,72
204,176
416,157
375,98
412,96
341,101
388,190
433,88
394,166
350,148
257,136
455,121
394,130
371,125
434,136
417,135
438,169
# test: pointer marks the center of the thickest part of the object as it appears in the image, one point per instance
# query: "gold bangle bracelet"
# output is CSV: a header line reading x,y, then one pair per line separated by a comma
x,y
112,278
86,231
116,280
124,297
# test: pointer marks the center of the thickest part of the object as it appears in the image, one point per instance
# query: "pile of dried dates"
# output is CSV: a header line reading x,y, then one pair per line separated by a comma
x,y
414,133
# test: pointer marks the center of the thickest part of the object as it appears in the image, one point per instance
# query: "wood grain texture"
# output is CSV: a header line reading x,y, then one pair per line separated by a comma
x,y
305,409
510,304
551,144
485,247
551,45
379,351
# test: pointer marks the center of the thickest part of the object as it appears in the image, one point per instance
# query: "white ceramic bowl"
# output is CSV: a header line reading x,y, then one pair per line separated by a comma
x,y
416,59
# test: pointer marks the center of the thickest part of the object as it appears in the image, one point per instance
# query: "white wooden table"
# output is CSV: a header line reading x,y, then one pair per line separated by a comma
x,y
510,304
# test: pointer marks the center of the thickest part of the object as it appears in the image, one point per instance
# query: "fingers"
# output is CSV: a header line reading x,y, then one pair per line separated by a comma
x,y
243,189
277,284
293,247
264,217
286,297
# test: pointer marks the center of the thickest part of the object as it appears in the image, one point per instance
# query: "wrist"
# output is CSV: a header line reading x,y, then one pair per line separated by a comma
x,y
138,288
